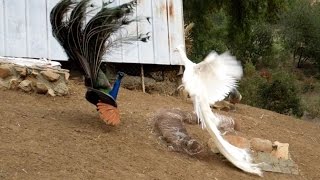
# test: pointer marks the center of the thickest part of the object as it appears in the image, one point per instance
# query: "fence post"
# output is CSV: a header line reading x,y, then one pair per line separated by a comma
x,y
142,80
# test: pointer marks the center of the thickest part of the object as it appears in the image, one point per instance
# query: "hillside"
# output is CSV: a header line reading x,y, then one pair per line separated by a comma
x,y
63,138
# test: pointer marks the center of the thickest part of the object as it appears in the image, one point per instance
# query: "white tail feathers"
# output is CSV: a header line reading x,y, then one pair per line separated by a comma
x,y
239,157
208,82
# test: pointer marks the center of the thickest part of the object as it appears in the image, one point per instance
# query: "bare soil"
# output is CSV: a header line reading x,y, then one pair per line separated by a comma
x,y
63,138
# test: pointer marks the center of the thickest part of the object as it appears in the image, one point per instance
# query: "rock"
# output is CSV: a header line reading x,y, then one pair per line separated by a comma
x,y
280,150
41,88
50,76
273,164
227,124
165,87
14,83
157,75
34,73
238,141
33,81
134,83
22,71
51,92
170,75
25,85
5,71
212,146
66,76
61,89
262,145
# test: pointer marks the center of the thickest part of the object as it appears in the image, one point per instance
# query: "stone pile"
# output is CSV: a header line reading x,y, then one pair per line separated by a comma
x,y
274,156
34,79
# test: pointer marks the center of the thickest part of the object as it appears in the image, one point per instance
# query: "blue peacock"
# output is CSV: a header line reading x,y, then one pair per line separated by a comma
x,y
85,43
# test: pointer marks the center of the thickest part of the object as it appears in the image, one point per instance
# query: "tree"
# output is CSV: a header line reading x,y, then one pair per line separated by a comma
x,y
231,25
300,27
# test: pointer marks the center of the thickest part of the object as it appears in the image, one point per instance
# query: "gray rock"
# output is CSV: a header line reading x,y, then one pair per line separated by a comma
x,y
50,76
61,89
14,83
22,71
51,92
25,85
66,76
41,88
34,73
134,82
158,75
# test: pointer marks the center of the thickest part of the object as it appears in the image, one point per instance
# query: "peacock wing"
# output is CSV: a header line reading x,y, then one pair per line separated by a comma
x,y
216,75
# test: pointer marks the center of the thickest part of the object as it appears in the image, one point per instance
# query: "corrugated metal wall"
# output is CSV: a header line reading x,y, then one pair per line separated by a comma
x,y
25,32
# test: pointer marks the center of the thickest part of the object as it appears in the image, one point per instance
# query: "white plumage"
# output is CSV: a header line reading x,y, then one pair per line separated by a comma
x,y
208,82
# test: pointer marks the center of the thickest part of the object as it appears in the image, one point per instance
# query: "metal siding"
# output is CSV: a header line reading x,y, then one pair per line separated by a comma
x,y
55,51
2,28
114,54
25,31
15,32
130,50
145,49
175,24
36,31
160,27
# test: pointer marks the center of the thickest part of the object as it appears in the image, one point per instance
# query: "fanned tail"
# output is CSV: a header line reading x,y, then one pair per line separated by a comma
x,y
109,114
86,43
239,157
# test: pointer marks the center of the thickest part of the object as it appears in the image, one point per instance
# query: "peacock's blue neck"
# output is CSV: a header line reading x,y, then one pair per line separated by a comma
x,y
116,86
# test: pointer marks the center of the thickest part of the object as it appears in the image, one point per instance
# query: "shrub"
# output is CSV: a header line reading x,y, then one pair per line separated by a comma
x,y
249,85
281,95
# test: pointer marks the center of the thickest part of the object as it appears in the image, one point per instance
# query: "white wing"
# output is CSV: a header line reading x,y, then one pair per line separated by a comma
x,y
215,76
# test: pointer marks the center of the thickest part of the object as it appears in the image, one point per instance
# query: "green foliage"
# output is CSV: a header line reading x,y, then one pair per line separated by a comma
x,y
242,26
300,27
209,32
311,103
249,69
262,35
256,46
250,84
281,95
249,88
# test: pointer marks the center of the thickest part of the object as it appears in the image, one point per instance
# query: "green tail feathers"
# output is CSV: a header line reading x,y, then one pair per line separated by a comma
x,y
102,83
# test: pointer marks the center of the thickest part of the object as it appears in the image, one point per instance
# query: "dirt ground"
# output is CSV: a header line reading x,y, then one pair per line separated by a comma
x,y
63,138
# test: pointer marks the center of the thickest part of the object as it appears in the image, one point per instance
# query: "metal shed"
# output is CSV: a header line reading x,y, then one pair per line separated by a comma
x,y
25,32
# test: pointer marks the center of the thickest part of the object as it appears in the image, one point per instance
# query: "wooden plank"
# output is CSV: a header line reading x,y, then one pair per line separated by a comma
x,y
160,33
36,28
2,29
55,51
176,29
15,36
145,49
